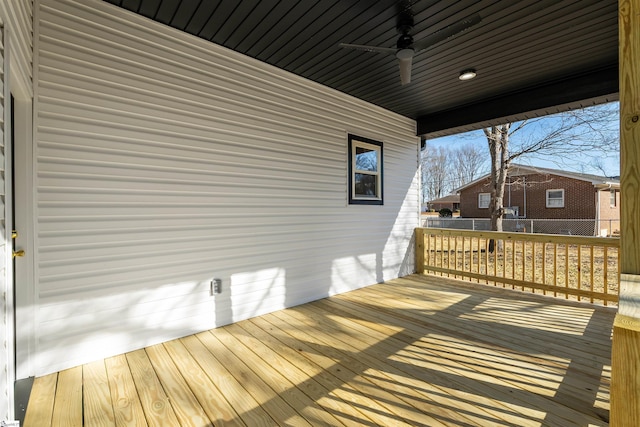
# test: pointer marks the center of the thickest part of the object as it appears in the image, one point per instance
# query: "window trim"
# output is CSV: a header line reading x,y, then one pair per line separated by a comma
x,y
613,198
547,198
370,144
480,206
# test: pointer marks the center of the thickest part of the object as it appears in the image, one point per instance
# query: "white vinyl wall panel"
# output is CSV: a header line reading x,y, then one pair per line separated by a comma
x,y
164,161
6,331
17,16
15,68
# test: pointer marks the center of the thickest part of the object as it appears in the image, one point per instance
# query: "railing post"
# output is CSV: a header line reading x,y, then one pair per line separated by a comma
x,y
625,369
420,250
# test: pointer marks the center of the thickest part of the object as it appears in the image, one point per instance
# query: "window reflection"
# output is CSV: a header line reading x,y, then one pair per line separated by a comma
x,y
366,160
365,185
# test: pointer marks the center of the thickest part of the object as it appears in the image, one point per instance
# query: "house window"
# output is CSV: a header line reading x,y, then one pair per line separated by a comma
x,y
555,198
612,198
483,200
365,171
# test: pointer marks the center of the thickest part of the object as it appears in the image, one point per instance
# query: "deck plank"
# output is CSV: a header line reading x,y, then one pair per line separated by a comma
x,y
67,408
155,403
501,409
452,321
40,409
408,389
185,404
194,362
419,350
273,403
193,367
533,346
377,402
288,355
242,347
246,406
98,410
414,331
501,377
127,407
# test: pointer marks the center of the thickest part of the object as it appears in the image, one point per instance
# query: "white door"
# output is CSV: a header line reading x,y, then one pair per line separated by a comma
x,y
16,201
20,225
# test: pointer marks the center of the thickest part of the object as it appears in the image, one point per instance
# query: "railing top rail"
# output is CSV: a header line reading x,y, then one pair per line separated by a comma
x,y
523,220
527,237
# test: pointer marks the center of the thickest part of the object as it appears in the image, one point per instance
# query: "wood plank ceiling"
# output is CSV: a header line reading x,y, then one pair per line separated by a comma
x,y
532,56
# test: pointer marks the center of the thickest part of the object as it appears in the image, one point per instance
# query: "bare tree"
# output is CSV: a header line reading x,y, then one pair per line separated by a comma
x,y
562,139
436,180
498,140
467,163
598,164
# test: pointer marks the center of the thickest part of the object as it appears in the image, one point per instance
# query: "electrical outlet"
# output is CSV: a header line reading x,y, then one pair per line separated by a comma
x,y
216,286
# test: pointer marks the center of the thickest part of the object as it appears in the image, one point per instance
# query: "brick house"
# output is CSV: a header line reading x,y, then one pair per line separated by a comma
x,y
542,193
452,201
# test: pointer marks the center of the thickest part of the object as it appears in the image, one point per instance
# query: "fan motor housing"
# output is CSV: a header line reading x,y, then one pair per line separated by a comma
x,y
404,41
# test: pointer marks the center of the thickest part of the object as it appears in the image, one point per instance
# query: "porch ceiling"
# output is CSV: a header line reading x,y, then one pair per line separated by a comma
x,y
532,57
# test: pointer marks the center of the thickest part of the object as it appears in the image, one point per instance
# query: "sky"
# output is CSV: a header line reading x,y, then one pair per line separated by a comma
x,y
582,161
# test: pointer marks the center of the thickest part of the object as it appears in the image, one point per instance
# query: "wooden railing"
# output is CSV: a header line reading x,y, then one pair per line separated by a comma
x,y
576,267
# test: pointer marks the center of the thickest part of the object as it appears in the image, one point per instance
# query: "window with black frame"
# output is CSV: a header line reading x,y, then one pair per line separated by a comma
x,y
365,171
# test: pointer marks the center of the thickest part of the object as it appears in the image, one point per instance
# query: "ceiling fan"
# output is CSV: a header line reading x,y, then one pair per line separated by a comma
x,y
406,48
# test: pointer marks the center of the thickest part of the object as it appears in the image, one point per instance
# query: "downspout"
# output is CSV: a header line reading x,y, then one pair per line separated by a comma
x,y
524,189
596,231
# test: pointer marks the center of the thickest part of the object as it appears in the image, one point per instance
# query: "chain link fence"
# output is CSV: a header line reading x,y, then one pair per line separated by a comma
x,y
575,227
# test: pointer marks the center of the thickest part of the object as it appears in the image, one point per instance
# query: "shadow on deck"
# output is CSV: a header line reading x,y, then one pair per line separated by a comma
x,y
420,350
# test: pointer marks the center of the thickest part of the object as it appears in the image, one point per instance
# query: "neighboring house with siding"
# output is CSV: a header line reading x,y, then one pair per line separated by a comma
x,y
543,193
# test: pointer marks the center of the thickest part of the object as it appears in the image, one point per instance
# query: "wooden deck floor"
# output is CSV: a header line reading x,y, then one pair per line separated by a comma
x,y
416,351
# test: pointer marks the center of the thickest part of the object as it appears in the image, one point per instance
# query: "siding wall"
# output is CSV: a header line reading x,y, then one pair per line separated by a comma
x,y
5,324
164,161
15,64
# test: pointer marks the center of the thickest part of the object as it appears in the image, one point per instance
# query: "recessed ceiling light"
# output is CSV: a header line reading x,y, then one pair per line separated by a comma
x,y
467,74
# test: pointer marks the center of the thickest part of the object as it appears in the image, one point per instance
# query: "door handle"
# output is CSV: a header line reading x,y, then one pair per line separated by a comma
x,y
18,254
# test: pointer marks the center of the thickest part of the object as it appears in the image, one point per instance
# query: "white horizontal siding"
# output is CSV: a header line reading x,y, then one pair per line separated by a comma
x,y
16,40
164,161
17,16
6,333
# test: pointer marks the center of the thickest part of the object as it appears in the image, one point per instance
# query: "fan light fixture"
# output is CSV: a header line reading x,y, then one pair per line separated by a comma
x,y
467,74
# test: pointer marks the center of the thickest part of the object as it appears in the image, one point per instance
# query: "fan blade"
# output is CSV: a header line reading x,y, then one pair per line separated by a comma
x,y
405,69
447,32
376,49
